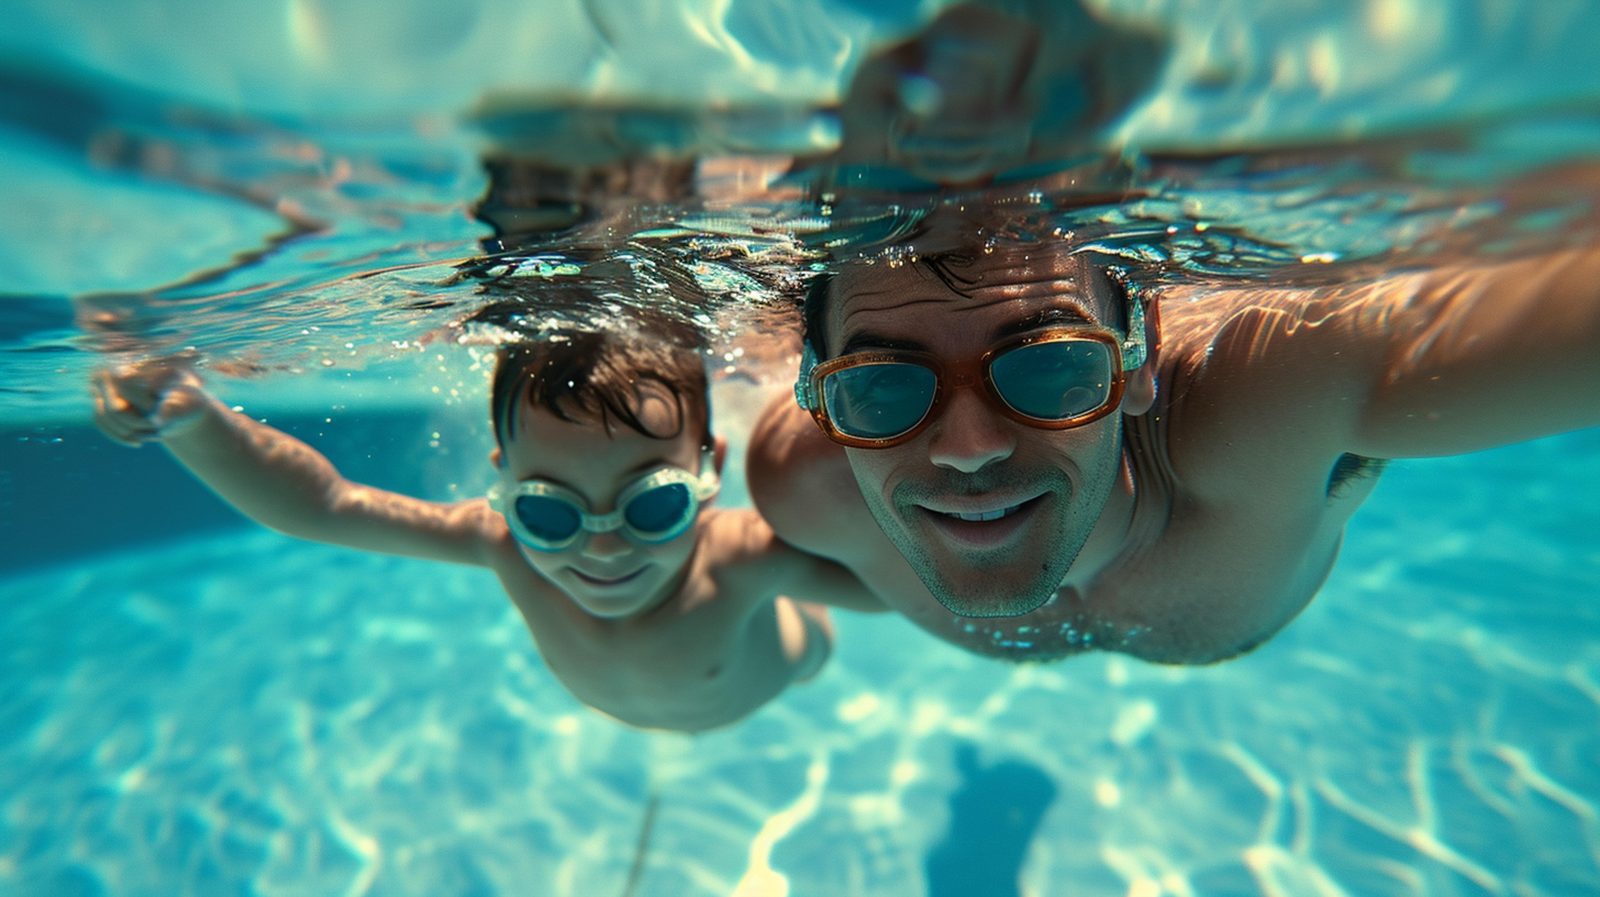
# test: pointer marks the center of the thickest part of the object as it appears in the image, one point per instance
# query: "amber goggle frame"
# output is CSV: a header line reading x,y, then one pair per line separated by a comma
x,y
1050,379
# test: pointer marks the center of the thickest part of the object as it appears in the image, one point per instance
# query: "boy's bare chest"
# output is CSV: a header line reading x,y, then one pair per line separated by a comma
x,y
660,671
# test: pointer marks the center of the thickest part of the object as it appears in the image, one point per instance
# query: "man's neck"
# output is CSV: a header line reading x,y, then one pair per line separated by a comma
x,y
1112,534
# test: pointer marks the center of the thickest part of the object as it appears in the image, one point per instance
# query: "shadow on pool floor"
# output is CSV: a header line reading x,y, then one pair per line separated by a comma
x,y
994,815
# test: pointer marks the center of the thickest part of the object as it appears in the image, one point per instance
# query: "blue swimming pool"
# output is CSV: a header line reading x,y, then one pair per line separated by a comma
x,y
190,705
244,714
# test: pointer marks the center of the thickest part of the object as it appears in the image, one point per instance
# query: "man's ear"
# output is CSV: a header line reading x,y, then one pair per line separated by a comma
x,y
1139,391
719,453
496,457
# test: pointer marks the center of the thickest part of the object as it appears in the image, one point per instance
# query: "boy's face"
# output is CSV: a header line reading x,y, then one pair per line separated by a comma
x,y
607,574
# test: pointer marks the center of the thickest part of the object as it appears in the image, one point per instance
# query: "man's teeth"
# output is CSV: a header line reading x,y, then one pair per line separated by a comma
x,y
984,515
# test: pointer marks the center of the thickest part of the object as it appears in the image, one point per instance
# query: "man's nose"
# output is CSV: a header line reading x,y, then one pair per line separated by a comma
x,y
605,546
970,435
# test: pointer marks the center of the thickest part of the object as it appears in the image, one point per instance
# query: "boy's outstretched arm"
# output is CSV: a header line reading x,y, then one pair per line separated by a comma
x,y
275,479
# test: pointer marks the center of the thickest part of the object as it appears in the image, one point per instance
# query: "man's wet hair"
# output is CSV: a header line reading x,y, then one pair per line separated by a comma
x,y
946,267
814,313
594,372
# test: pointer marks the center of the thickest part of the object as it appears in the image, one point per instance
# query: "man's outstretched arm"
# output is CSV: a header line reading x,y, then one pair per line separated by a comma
x,y
1269,388
1483,356
275,479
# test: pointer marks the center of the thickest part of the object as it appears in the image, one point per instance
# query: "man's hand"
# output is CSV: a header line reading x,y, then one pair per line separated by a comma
x,y
148,401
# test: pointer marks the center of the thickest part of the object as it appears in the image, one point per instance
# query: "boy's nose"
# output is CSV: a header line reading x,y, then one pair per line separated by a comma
x,y
970,435
605,546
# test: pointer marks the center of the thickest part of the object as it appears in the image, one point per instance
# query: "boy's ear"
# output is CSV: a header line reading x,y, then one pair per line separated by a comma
x,y
496,457
719,452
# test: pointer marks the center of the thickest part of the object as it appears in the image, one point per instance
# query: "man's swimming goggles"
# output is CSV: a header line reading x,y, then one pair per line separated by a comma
x,y
657,507
1052,379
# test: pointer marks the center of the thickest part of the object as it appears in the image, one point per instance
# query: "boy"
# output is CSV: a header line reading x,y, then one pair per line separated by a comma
x,y
647,605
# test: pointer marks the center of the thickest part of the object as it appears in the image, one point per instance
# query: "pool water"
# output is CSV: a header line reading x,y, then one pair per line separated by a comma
x,y
246,714
190,705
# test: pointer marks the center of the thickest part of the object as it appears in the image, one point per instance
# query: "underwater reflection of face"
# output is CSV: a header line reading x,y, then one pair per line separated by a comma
x,y
990,512
607,574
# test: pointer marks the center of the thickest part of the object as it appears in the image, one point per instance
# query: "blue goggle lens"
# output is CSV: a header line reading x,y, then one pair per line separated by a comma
x,y
549,519
660,513
1054,380
877,401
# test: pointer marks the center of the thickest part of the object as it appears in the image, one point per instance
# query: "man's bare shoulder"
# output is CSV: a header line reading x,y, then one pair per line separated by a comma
x,y
1261,389
802,484
746,558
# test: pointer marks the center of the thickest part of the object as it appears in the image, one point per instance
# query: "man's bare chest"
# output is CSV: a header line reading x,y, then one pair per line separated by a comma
x,y
1204,584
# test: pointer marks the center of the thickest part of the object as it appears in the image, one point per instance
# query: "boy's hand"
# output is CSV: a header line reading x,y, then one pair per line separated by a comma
x,y
147,402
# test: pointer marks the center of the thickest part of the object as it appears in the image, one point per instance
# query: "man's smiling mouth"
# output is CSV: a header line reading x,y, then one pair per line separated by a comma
x,y
983,527
983,516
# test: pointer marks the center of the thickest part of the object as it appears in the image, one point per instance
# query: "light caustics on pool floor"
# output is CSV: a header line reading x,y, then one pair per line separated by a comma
x,y
247,715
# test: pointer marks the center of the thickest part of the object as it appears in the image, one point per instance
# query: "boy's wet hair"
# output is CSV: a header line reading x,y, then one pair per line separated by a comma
x,y
594,374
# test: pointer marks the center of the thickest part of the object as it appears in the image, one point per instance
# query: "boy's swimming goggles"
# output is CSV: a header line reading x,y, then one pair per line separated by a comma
x,y
657,507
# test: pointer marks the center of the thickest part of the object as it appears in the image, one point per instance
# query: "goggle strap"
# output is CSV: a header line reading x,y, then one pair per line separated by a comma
x,y
804,396
1134,347
708,483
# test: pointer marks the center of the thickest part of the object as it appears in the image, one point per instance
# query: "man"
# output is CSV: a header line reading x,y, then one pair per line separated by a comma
x,y
994,447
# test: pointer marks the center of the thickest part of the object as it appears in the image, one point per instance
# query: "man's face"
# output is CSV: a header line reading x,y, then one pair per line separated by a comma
x,y
606,574
1045,489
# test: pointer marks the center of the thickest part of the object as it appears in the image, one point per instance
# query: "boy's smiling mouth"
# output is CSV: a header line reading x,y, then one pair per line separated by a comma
x,y
605,582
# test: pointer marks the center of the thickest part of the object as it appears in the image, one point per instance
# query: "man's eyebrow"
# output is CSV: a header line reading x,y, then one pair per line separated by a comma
x,y
867,340
1048,316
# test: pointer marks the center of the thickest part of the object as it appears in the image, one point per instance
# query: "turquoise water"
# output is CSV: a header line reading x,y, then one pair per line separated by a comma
x,y
193,706
244,714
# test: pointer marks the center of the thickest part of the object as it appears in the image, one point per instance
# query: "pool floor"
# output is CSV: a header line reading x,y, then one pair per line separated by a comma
x,y
251,715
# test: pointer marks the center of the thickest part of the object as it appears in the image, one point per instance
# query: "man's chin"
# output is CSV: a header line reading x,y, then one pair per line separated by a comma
x,y
1003,582
1007,581
990,599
